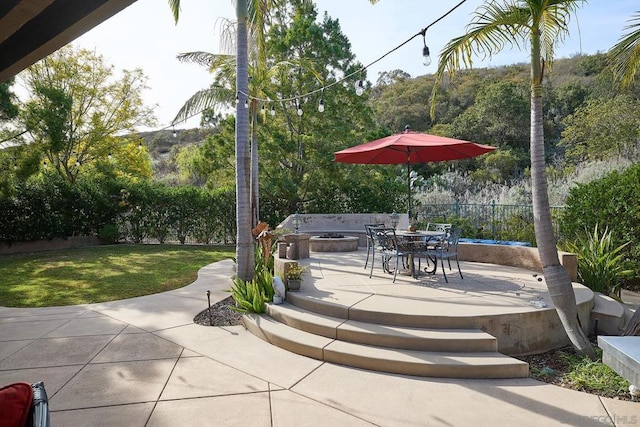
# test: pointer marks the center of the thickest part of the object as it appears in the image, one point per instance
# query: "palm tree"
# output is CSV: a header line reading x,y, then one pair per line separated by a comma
x,y
244,239
541,23
625,61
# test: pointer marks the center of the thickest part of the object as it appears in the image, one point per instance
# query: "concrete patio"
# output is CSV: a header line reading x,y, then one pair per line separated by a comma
x,y
143,362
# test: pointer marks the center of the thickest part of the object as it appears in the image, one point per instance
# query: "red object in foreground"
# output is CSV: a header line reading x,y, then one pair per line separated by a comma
x,y
15,404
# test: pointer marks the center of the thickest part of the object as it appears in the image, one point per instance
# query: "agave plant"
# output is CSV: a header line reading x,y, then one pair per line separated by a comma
x,y
600,264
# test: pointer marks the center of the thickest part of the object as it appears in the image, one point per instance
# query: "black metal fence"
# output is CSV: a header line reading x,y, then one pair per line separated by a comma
x,y
490,220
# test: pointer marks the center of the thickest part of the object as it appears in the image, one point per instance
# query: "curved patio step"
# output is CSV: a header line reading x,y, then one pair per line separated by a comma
x,y
360,312
451,340
486,364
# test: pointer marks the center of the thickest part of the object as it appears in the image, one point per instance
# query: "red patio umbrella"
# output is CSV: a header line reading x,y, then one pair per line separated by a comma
x,y
411,147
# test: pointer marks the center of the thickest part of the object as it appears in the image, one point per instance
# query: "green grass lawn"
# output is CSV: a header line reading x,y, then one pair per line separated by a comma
x,y
101,273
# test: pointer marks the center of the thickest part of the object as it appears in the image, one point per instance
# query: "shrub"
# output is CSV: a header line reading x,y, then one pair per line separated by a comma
x,y
248,296
612,203
517,228
600,263
109,233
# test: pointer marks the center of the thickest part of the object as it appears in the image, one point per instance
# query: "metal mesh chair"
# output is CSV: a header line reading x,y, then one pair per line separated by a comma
x,y
370,246
385,243
446,248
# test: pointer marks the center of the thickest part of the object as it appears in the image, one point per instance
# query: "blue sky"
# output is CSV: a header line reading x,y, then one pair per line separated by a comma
x,y
144,36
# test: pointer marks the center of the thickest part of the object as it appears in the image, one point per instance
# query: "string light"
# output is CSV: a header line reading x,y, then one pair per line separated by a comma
x,y
359,88
175,134
359,85
272,110
426,58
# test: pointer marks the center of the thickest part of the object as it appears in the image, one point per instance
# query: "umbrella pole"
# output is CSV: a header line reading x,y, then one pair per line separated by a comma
x,y
409,187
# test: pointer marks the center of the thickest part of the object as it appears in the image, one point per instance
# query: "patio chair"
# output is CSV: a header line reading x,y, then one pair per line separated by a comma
x,y
370,246
438,226
446,248
24,404
385,243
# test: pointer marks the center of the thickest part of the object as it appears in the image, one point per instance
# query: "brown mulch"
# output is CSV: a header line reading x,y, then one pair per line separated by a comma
x,y
221,314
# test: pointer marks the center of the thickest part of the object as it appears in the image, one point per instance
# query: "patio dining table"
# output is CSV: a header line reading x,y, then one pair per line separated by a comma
x,y
415,243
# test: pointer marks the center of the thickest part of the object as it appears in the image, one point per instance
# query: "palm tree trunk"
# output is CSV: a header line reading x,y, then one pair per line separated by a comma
x,y
633,327
244,240
556,277
255,186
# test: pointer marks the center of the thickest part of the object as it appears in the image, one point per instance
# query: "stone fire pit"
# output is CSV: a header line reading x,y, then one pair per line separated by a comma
x,y
332,242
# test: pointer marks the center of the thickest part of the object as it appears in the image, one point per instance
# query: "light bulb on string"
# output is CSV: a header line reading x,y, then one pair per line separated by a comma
x,y
175,134
109,156
426,58
273,110
321,103
237,98
359,87
246,103
299,108
44,164
140,146
263,108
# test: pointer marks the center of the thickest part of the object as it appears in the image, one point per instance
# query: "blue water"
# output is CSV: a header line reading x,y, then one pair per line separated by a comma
x,y
495,242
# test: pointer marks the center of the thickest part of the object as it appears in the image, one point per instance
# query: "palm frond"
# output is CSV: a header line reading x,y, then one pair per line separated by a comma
x,y
625,55
510,23
174,5
228,30
493,27
554,26
212,97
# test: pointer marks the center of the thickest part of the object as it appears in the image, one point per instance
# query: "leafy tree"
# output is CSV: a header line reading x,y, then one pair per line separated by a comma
x,y
602,129
8,107
299,171
562,100
541,24
398,101
76,108
499,116
212,163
